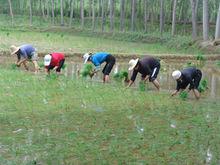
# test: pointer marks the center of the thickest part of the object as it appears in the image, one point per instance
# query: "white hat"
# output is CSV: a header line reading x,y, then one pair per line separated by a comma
x,y
86,57
132,63
13,49
176,74
47,60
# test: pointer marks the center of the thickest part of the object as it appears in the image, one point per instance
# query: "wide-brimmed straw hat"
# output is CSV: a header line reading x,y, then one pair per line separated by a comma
x,y
47,59
86,57
132,63
14,49
176,74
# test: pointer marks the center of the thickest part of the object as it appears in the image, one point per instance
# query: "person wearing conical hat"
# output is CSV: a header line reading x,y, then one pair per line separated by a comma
x,y
54,61
97,59
189,76
25,53
148,67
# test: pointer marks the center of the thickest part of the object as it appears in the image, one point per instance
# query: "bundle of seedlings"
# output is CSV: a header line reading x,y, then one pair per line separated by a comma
x,y
142,86
13,66
200,60
203,86
87,70
183,95
121,76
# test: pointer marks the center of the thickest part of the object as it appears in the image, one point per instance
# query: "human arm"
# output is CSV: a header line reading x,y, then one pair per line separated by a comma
x,y
133,77
174,93
23,61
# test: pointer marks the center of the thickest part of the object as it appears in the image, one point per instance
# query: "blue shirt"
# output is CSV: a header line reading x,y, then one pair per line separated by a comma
x,y
26,51
98,58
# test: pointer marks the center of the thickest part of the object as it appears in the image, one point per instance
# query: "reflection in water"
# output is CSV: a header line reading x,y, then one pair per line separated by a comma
x,y
164,76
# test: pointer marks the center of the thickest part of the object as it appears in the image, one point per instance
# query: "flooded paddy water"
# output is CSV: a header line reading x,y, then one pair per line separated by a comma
x,y
211,72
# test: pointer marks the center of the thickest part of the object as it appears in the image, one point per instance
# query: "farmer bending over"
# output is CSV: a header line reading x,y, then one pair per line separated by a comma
x,y
97,59
25,53
148,67
185,77
54,61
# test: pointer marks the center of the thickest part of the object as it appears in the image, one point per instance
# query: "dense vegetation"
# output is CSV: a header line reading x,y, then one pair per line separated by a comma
x,y
145,16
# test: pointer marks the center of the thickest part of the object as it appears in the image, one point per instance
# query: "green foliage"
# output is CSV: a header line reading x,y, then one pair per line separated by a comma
x,y
14,66
218,63
200,57
52,76
121,75
190,64
201,60
142,86
203,86
183,95
41,64
87,69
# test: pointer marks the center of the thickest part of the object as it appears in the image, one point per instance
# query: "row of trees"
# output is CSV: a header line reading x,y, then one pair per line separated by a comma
x,y
123,15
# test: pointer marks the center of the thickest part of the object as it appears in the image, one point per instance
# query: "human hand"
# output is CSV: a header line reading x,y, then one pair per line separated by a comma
x,y
18,64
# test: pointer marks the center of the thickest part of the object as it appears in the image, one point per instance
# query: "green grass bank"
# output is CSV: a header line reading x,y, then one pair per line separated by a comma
x,y
75,121
77,41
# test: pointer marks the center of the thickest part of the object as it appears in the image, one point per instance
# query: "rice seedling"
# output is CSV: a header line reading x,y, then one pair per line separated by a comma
x,y
121,76
87,70
203,85
183,95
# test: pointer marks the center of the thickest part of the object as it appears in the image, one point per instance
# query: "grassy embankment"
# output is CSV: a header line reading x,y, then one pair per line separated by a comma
x,y
48,38
73,121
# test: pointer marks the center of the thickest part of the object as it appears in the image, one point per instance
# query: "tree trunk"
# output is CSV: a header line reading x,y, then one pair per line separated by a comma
x,y
194,21
205,20
90,8
30,9
112,15
82,13
133,15
11,12
100,8
71,12
61,13
93,15
103,16
174,18
171,10
52,10
145,15
122,15
42,8
48,8
161,16
217,28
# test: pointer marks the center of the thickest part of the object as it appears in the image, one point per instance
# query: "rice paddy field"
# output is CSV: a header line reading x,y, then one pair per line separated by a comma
x,y
70,120
74,120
